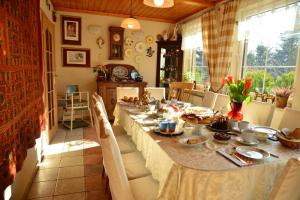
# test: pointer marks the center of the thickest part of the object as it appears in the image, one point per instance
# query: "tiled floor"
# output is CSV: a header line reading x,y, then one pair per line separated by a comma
x,y
71,168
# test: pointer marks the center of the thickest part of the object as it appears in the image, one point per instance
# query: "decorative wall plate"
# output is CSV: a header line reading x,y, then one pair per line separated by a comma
x,y
128,53
138,59
100,42
129,41
149,39
140,47
120,72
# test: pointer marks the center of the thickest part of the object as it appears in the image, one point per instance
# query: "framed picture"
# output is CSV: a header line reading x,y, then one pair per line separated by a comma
x,y
71,30
74,57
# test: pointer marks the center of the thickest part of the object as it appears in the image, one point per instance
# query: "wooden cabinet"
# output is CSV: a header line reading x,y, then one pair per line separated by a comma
x,y
108,91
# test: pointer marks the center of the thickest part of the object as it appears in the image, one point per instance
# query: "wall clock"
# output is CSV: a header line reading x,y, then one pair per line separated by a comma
x,y
116,35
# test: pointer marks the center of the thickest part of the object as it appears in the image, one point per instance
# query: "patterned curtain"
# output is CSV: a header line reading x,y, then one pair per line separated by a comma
x,y
21,88
217,33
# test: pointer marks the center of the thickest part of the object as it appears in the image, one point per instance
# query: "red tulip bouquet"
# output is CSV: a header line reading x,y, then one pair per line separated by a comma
x,y
238,92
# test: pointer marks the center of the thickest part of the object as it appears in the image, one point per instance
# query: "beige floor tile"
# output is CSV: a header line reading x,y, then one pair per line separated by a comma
x,y
46,175
71,161
68,186
71,172
72,153
50,163
42,189
75,196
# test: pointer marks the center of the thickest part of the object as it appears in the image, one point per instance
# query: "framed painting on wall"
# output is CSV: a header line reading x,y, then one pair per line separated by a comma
x,y
71,30
75,57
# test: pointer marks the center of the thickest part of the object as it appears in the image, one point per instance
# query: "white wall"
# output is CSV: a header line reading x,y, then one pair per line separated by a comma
x,y
84,77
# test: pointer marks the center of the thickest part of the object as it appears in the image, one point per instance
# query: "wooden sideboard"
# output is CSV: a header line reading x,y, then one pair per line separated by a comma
x,y
108,91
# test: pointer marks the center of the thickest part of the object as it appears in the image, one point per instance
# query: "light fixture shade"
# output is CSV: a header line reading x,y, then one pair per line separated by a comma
x,y
159,3
130,23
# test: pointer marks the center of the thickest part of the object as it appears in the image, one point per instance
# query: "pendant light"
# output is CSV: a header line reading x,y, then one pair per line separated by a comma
x,y
131,22
159,3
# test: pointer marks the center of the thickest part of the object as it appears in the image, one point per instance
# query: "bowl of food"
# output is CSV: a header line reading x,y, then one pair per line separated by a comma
x,y
290,139
193,140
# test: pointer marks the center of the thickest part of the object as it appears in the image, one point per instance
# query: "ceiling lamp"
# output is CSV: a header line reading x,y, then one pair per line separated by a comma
x,y
131,22
159,3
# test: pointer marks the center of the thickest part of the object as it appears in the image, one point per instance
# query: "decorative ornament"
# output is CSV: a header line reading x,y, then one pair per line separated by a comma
x,y
149,52
149,39
140,47
138,59
128,53
129,41
100,42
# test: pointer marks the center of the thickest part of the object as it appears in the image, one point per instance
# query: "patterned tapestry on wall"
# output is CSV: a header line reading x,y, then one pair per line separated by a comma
x,y
21,88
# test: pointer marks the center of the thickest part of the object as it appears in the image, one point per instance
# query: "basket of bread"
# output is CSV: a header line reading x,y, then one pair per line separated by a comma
x,y
130,99
290,139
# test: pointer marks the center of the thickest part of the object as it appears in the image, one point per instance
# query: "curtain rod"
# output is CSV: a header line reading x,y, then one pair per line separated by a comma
x,y
202,12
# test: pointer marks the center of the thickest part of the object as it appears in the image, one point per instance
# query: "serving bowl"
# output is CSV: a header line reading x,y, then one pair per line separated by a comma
x,y
290,143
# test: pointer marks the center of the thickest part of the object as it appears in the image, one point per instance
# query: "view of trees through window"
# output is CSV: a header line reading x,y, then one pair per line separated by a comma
x,y
272,63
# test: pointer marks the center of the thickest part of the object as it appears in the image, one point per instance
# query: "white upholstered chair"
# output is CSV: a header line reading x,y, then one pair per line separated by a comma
x,y
258,113
290,119
209,99
127,91
121,189
133,160
222,103
156,92
287,185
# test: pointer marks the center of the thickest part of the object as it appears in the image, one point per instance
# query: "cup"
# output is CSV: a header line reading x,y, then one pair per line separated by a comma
x,y
152,107
172,126
163,126
248,136
233,124
243,125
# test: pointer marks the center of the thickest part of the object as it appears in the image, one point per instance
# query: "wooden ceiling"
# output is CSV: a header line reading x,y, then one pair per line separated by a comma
x,y
121,8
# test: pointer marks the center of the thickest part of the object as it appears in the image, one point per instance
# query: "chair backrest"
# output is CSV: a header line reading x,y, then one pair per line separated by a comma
x,y
258,113
156,92
287,185
222,103
180,91
209,99
127,91
114,167
71,89
290,119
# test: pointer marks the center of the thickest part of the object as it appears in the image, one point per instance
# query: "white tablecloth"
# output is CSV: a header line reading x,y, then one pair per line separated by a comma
x,y
200,173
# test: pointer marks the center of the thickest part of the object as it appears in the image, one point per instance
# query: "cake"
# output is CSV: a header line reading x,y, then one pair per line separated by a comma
x,y
222,136
221,123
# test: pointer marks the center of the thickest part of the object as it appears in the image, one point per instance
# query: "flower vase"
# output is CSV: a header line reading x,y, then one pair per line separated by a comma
x,y
236,111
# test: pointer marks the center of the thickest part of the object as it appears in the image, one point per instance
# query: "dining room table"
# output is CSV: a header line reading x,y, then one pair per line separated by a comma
x,y
205,171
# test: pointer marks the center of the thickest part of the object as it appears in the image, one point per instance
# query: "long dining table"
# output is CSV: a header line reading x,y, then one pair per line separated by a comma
x,y
200,172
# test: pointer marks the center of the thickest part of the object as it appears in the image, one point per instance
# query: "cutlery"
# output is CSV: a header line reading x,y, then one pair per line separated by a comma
x,y
240,159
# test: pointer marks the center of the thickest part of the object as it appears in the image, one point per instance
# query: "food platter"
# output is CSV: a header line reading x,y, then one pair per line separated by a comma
x,y
193,141
262,129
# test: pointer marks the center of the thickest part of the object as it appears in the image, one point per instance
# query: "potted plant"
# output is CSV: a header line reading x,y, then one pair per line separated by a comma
x,y
282,95
101,72
238,92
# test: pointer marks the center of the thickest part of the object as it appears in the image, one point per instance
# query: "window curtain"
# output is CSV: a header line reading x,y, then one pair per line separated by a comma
x,y
21,87
217,34
191,35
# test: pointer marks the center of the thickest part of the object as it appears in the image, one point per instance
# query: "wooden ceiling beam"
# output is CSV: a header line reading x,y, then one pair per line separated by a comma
x,y
202,3
113,14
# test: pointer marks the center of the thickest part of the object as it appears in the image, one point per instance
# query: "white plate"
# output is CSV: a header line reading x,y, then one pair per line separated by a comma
x,y
240,140
201,140
263,129
252,152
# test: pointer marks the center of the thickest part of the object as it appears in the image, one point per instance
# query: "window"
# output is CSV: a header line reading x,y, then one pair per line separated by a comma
x,y
271,41
197,69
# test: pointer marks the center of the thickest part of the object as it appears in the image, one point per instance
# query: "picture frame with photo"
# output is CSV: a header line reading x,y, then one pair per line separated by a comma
x,y
71,30
76,57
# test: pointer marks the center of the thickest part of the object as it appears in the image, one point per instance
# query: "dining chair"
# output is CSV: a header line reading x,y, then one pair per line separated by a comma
x,y
287,184
222,103
209,99
157,93
290,119
258,113
75,102
133,161
121,189
180,91
127,91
